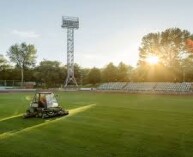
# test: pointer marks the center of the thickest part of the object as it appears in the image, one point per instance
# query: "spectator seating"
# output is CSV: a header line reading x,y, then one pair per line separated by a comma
x,y
145,86
158,87
112,86
173,87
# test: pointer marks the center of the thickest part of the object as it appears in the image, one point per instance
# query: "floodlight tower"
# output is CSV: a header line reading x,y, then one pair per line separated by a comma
x,y
70,23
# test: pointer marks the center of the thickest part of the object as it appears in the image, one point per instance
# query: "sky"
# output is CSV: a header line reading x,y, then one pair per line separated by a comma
x,y
110,30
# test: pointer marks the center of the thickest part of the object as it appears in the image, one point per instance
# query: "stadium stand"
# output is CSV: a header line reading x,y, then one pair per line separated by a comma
x,y
156,87
112,86
173,87
146,86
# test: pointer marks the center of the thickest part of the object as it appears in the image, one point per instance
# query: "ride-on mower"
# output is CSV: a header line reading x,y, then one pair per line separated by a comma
x,y
44,105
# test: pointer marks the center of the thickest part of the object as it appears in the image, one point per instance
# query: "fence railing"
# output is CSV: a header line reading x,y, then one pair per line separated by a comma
x,y
16,84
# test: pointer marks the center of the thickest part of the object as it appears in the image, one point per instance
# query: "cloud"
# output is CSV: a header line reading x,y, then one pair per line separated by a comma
x,y
25,34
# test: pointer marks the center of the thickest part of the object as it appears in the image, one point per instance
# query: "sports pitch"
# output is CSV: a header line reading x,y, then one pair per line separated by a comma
x,y
99,125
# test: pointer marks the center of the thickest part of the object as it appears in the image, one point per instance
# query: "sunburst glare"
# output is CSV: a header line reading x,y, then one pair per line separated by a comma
x,y
152,59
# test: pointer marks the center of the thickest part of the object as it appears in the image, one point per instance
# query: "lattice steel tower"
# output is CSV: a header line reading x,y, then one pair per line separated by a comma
x,y
70,23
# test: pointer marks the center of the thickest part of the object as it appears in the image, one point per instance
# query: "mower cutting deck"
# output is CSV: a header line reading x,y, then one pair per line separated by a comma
x,y
44,105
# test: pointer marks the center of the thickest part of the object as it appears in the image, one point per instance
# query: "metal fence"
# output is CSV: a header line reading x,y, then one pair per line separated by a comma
x,y
16,84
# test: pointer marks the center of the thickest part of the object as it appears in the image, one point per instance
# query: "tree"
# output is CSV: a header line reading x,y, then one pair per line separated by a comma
x,y
123,72
187,69
3,63
109,73
94,76
4,68
84,76
50,73
23,55
171,46
189,44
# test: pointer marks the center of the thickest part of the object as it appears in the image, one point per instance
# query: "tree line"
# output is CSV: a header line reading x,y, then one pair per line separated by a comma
x,y
173,47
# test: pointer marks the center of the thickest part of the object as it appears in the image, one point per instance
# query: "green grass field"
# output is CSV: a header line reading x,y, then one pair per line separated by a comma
x,y
99,125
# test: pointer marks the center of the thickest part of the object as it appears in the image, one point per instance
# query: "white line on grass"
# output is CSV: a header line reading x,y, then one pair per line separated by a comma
x,y
7,118
72,112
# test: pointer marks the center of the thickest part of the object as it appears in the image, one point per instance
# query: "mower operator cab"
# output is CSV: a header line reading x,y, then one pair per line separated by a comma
x,y
44,105
44,100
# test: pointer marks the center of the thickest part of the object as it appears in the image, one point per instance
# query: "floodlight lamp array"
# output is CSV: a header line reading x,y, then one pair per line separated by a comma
x,y
70,22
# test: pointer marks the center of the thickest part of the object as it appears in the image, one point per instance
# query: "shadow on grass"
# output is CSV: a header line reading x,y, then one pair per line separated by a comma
x,y
14,125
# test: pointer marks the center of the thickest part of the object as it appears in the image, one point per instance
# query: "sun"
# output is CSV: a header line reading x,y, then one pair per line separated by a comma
x,y
152,59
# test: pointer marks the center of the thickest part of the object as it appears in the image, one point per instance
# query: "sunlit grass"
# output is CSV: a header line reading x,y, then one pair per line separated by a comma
x,y
10,117
46,122
100,124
